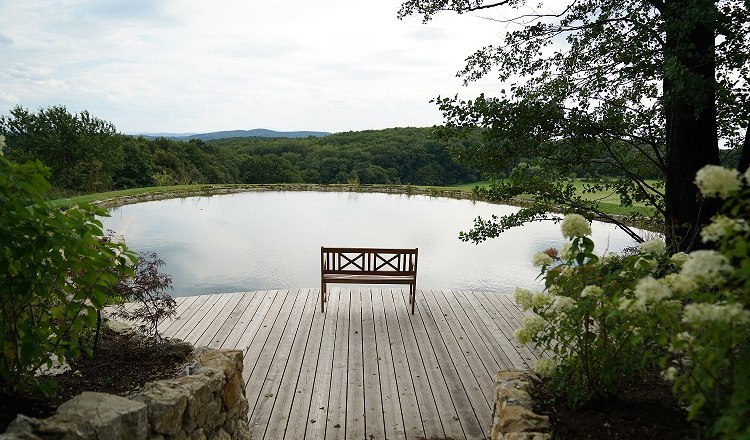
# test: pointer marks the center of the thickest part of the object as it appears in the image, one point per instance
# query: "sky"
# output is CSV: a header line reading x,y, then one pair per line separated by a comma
x,y
200,66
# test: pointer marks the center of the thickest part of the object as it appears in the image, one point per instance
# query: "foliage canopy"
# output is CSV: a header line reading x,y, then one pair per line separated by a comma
x,y
640,86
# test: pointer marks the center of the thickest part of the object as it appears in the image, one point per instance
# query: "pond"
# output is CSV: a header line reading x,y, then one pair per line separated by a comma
x,y
271,240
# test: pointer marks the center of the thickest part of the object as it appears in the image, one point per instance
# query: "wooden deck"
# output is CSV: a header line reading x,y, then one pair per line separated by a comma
x,y
366,368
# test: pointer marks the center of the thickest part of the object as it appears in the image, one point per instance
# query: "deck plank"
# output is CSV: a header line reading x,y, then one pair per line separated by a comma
x,y
355,395
321,390
490,333
235,318
430,354
336,419
509,321
289,416
260,356
212,330
460,342
462,382
366,367
429,417
204,307
418,409
270,382
375,427
393,421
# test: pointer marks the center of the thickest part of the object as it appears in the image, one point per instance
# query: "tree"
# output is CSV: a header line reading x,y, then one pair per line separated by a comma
x,y
632,85
82,151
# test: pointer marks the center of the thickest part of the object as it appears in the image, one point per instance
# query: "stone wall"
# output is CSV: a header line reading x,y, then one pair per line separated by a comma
x,y
513,417
205,404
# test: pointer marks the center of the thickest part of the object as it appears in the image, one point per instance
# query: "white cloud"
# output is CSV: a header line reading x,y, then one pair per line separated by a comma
x,y
193,65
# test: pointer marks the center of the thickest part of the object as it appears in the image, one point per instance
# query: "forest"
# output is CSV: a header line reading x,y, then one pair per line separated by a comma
x,y
87,155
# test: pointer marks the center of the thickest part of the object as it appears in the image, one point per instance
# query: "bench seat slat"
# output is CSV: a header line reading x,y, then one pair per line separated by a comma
x,y
383,279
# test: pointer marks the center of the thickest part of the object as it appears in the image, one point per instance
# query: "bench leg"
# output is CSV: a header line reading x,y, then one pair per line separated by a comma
x,y
412,296
322,297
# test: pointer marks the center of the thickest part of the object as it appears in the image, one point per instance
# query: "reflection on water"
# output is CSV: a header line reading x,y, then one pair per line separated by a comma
x,y
271,240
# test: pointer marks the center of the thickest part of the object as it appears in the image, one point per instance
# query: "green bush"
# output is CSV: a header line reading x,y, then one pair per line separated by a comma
x,y
54,276
602,320
711,367
595,322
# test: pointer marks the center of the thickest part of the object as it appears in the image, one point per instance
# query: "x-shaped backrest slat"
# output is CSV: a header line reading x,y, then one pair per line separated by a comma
x,y
352,261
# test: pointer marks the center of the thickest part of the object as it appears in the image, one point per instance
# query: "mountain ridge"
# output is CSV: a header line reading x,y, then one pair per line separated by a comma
x,y
227,134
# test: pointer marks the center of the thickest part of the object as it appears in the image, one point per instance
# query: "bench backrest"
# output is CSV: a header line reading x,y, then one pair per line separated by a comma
x,y
368,261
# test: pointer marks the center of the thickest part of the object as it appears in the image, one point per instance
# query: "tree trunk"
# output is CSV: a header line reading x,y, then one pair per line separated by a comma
x,y
745,154
690,110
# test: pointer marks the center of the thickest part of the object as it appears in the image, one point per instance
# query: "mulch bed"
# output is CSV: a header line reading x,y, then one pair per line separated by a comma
x,y
646,409
122,366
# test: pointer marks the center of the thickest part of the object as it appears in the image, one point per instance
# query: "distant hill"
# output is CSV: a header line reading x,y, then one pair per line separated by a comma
x,y
257,132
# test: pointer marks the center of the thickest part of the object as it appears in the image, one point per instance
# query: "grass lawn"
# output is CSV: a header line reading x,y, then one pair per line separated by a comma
x,y
608,200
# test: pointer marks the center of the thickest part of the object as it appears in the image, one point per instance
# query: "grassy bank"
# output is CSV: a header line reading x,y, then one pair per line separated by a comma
x,y
609,203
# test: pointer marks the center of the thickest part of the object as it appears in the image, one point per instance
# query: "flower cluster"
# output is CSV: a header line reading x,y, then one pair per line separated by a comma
x,y
562,304
575,225
531,326
722,226
542,259
654,246
701,268
593,291
717,181
545,367
699,314
649,290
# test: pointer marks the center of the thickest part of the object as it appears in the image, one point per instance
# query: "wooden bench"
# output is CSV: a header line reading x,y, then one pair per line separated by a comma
x,y
368,266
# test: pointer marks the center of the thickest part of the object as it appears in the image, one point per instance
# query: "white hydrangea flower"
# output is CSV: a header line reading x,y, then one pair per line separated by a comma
x,y
679,258
523,298
722,225
541,259
704,267
531,326
591,291
535,324
670,374
523,335
649,290
655,246
715,180
685,338
704,313
575,225
540,300
562,304
545,367
610,256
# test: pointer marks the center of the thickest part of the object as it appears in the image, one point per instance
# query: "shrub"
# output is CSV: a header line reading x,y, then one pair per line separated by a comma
x,y
146,286
55,275
598,324
712,354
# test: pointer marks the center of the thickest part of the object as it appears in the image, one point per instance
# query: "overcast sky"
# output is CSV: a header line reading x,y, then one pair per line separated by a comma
x,y
209,65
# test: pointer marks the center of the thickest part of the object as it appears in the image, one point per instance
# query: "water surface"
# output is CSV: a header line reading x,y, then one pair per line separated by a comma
x,y
271,240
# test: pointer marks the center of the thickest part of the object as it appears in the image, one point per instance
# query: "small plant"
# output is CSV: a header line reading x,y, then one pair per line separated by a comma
x,y
146,286
55,276
595,320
